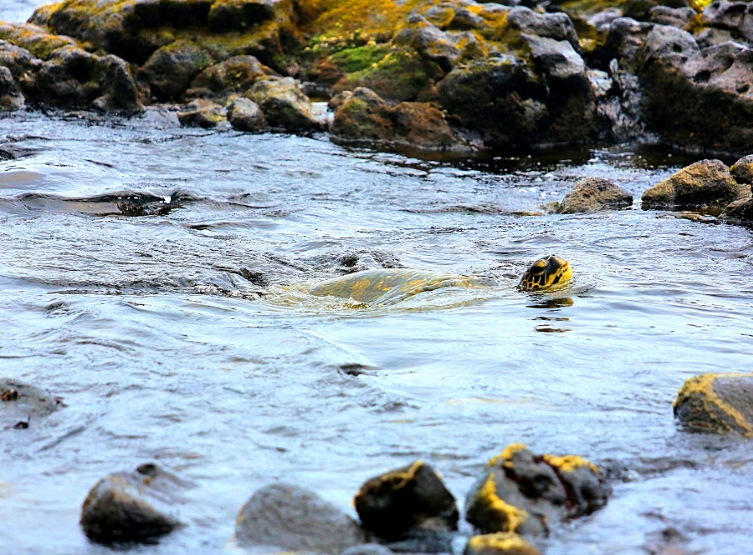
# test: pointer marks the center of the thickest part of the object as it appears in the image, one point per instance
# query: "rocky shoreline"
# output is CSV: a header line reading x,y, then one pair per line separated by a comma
x,y
431,74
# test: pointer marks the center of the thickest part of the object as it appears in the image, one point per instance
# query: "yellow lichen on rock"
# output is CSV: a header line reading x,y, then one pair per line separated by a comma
x,y
509,517
501,543
506,456
570,463
699,406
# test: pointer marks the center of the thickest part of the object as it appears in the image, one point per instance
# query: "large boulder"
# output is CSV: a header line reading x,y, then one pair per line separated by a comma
x,y
131,507
284,104
170,70
527,494
293,518
716,403
395,504
704,184
23,405
593,194
366,118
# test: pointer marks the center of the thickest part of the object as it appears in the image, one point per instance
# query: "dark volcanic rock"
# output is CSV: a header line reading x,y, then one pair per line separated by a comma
x,y
501,543
294,518
366,118
170,70
676,17
707,183
284,104
396,503
593,194
717,403
132,506
527,494
245,115
23,405
235,75
557,26
11,97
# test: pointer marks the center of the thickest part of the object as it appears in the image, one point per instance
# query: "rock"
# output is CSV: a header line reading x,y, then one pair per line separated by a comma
x,y
725,15
284,105
670,44
526,494
170,70
436,46
501,543
717,403
366,118
367,549
739,211
132,506
465,20
234,75
593,194
624,43
742,170
339,99
11,97
237,15
245,115
676,17
557,26
293,518
23,405
202,113
21,64
36,40
396,503
557,59
707,183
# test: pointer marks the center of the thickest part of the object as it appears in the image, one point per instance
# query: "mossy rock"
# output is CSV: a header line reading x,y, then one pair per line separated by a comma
x,y
716,403
35,39
170,70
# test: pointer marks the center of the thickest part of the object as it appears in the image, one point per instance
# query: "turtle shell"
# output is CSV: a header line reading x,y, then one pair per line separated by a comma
x,y
392,285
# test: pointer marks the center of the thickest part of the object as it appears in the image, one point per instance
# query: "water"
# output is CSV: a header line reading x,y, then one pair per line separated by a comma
x,y
155,278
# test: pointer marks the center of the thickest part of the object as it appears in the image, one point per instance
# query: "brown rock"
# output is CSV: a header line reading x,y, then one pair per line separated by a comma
x,y
593,194
235,75
202,113
742,170
245,115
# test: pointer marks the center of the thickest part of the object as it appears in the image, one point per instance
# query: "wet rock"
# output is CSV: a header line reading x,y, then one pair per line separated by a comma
x,y
739,211
676,17
436,45
34,39
593,194
364,117
465,20
395,504
501,543
11,97
245,115
557,26
707,183
235,75
170,70
22,405
339,99
717,403
291,517
202,113
725,15
368,549
624,43
236,15
132,506
526,494
22,65
284,105
670,44
558,59
742,170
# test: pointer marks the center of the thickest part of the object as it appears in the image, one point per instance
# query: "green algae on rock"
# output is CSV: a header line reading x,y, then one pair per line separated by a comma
x,y
716,403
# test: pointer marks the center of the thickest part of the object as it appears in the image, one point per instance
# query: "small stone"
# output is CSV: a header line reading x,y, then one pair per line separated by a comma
x,y
501,543
593,194
202,113
742,170
707,183
245,115
22,404
716,403
131,506
293,518
394,503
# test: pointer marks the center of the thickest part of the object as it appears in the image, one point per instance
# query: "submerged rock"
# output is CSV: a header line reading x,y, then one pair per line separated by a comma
x,y
23,405
526,494
705,184
364,117
132,506
202,113
501,543
284,104
717,403
294,518
245,115
397,503
593,194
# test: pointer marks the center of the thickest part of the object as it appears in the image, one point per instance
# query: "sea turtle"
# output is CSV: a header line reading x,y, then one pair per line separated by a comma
x,y
392,285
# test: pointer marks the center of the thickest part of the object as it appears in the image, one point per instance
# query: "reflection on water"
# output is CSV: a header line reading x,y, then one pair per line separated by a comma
x,y
187,336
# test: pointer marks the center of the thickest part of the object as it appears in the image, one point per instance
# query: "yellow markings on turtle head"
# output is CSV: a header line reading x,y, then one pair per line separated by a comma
x,y
703,386
547,273
511,518
570,463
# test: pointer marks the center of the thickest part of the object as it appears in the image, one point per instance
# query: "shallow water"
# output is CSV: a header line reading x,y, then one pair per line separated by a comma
x,y
155,278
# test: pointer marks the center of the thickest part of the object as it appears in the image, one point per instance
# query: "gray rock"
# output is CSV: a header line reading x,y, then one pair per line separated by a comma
x,y
132,506
724,15
466,20
558,59
22,405
557,26
742,170
291,517
245,115
11,97
676,17
170,70
594,194
21,63
436,45
202,113
283,104
670,44
367,549
625,42
602,20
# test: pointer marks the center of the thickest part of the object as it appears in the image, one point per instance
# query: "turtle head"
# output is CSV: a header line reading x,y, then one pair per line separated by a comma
x,y
546,273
